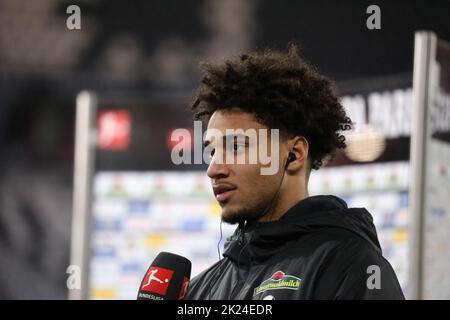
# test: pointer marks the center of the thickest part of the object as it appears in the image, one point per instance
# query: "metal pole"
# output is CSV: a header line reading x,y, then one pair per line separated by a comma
x,y
423,57
86,105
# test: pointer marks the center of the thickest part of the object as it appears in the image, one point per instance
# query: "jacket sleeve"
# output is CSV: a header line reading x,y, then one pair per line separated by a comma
x,y
359,272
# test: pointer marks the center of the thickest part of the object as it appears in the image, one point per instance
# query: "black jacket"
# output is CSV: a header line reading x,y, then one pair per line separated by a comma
x,y
319,249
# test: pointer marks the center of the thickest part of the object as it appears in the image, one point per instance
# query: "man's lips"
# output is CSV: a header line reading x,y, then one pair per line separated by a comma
x,y
223,191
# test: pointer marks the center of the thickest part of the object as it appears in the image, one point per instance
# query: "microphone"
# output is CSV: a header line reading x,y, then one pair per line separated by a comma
x,y
167,278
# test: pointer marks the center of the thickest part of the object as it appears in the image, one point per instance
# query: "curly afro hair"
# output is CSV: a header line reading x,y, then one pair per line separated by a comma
x,y
282,91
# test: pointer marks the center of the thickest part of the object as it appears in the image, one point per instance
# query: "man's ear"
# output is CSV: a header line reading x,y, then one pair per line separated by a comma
x,y
300,147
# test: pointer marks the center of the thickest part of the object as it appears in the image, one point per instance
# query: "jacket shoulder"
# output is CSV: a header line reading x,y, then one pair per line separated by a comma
x,y
358,270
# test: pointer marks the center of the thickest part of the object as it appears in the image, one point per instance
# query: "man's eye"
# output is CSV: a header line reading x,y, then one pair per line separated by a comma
x,y
211,154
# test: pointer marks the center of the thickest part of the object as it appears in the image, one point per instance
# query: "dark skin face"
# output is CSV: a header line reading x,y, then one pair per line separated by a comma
x,y
248,193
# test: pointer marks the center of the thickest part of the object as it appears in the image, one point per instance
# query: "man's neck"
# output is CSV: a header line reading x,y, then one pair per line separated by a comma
x,y
283,203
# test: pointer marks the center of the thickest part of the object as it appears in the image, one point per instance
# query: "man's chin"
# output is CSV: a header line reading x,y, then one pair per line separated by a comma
x,y
234,216
232,219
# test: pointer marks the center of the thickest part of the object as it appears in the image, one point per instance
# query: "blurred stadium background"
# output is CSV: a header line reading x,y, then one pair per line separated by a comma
x,y
142,57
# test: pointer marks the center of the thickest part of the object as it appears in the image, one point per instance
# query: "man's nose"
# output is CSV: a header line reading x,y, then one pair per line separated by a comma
x,y
217,170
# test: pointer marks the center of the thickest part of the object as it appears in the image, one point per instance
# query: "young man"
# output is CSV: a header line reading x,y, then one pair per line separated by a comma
x,y
288,245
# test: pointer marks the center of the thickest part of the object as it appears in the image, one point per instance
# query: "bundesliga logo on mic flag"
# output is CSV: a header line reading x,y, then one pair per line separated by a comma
x,y
166,284
157,280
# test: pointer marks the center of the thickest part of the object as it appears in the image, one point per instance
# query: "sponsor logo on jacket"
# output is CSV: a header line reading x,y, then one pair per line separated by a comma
x,y
279,280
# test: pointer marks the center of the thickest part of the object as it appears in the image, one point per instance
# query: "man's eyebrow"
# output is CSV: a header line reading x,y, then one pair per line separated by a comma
x,y
206,143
